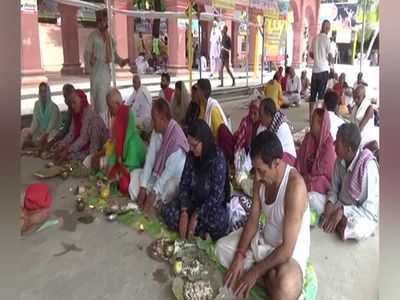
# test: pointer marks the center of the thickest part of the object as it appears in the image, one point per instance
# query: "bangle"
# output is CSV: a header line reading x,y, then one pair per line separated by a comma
x,y
241,252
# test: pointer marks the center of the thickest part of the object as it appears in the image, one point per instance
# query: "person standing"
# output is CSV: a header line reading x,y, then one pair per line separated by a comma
x,y
226,46
100,53
215,48
320,52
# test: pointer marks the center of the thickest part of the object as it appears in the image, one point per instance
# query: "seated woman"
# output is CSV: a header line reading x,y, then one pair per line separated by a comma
x,y
87,133
316,157
333,79
345,94
180,102
193,110
204,190
273,90
46,121
242,138
363,116
36,207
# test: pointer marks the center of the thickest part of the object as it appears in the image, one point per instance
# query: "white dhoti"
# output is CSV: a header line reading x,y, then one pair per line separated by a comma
x,y
170,189
292,98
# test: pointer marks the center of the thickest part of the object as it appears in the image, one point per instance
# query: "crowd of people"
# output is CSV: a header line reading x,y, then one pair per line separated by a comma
x,y
182,168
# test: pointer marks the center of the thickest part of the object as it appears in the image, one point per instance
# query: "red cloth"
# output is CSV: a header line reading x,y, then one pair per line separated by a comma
x,y
226,140
316,159
78,117
338,89
289,159
247,129
283,82
173,139
360,169
119,131
37,196
168,92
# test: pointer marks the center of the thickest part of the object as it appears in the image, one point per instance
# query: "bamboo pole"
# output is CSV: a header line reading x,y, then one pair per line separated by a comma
x,y
109,14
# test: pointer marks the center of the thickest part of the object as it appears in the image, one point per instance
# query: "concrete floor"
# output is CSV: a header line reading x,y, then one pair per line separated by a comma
x,y
103,261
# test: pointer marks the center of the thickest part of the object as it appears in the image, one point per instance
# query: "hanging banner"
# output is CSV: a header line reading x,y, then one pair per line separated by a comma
x,y
242,16
275,39
242,2
270,5
29,6
227,4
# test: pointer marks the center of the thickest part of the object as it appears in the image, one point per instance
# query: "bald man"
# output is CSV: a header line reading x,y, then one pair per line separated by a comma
x,y
140,102
320,52
125,150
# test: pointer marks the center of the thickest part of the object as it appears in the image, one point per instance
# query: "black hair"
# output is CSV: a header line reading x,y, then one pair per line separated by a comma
x,y
204,85
287,70
268,106
166,76
67,89
200,131
331,100
178,85
43,84
350,136
162,107
267,146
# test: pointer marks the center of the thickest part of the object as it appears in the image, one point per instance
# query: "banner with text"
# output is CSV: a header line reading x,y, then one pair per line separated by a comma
x,y
227,4
270,5
275,39
29,6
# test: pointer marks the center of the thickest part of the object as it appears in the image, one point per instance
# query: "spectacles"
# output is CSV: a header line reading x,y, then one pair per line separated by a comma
x,y
194,146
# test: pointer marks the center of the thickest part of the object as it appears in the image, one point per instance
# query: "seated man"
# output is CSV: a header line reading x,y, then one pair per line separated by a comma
x,y
210,110
277,255
87,133
353,199
359,81
125,150
305,84
276,122
293,88
166,92
67,91
158,182
140,102
331,104
363,116
46,121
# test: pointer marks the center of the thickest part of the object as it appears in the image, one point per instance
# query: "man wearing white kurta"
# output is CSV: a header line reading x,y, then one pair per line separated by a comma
x,y
100,53
215,48
140,102
293,88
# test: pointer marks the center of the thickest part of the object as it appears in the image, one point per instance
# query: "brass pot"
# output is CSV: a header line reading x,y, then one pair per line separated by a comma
x,y
64,174
80,205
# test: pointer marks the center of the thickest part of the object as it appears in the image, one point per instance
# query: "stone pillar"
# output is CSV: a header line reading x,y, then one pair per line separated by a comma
x,y
297,44
70,40
176,41
31,61
312,32
235,44
132,49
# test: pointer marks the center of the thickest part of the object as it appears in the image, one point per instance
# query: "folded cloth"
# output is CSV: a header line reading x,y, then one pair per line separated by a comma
x,y
37,196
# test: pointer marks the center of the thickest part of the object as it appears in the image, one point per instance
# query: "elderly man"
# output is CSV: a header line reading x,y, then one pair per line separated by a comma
x,y
293,88
331,101
67,91
215,48
166,92
100,53
158,182
277,255
125,150
320,52
140,102
210,110
352,202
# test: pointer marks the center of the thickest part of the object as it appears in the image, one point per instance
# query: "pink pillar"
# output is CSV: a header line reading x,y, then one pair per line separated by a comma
x,y
252,41
176,41
31,62
120,32
297,44
206,27
132,49
312,32
70,40
235,44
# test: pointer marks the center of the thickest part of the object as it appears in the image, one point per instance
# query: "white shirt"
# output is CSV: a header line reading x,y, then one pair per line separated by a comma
x,y
333,48
203,64
141,105
336,121
293,84
321,47
173,166
338,194
285,137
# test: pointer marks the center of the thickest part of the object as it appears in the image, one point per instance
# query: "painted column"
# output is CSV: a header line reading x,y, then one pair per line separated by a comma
x,y
132,49
206,27
176,42
31,61
297,44
120,31
70,40
252,41
312,32
235,44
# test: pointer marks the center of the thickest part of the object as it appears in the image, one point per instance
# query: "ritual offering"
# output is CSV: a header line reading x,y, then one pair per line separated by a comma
x,y
105,192
47,155
64,174
80,204
112,217
178,265
49,172
198,290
